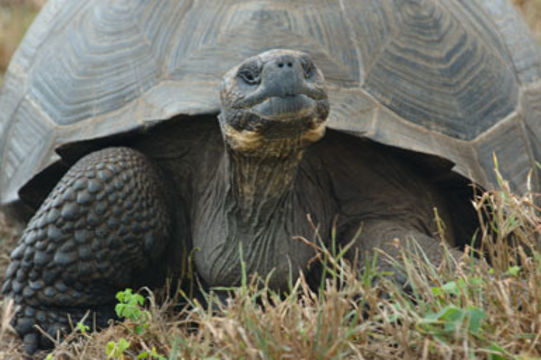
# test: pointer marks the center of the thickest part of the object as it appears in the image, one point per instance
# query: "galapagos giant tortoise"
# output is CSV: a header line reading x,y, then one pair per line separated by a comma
x,y
164,161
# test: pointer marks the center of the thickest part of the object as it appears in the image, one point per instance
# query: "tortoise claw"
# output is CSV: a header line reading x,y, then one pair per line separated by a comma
x,y
31,342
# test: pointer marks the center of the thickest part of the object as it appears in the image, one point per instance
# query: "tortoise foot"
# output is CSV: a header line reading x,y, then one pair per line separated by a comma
x,y
37,326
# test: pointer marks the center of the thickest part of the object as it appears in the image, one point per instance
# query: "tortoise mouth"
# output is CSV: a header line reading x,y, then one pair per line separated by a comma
x,y
281,108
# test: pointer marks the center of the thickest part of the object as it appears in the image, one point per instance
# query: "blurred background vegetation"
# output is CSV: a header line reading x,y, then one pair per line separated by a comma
x,y
531,9
15,17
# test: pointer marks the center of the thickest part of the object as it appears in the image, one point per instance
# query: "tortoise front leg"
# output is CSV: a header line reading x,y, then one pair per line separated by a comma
x,y
101,227
382,234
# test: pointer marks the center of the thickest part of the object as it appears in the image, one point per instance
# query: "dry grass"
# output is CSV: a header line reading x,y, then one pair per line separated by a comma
x,y
531,9
15,18
10,345
479,311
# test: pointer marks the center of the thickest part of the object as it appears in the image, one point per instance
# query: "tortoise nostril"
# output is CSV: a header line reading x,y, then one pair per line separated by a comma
x,y
281,64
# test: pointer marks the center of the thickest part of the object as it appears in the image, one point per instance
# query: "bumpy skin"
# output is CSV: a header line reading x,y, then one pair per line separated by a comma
x,y
104,222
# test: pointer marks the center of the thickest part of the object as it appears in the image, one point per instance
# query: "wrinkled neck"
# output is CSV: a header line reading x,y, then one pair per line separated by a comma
x,y
254,201
258,185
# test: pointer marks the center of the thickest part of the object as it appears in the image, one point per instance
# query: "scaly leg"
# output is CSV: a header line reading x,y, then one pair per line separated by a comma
x,y
103,226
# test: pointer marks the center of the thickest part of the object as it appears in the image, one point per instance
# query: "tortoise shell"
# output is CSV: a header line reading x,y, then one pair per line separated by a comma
x,y
456,79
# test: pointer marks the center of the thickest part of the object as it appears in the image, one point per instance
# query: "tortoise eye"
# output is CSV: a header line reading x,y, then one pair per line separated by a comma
x,y
308,67
249,73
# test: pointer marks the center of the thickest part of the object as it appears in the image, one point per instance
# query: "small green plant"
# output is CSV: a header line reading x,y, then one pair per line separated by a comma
x,y
513,271
115,350
153,354
450,319
82,328
130,307
469,286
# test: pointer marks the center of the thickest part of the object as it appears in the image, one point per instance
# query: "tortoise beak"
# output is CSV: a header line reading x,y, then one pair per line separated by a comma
x,y
285,108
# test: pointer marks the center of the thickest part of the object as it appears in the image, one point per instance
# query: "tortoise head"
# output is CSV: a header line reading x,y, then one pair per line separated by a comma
x,y
273,102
